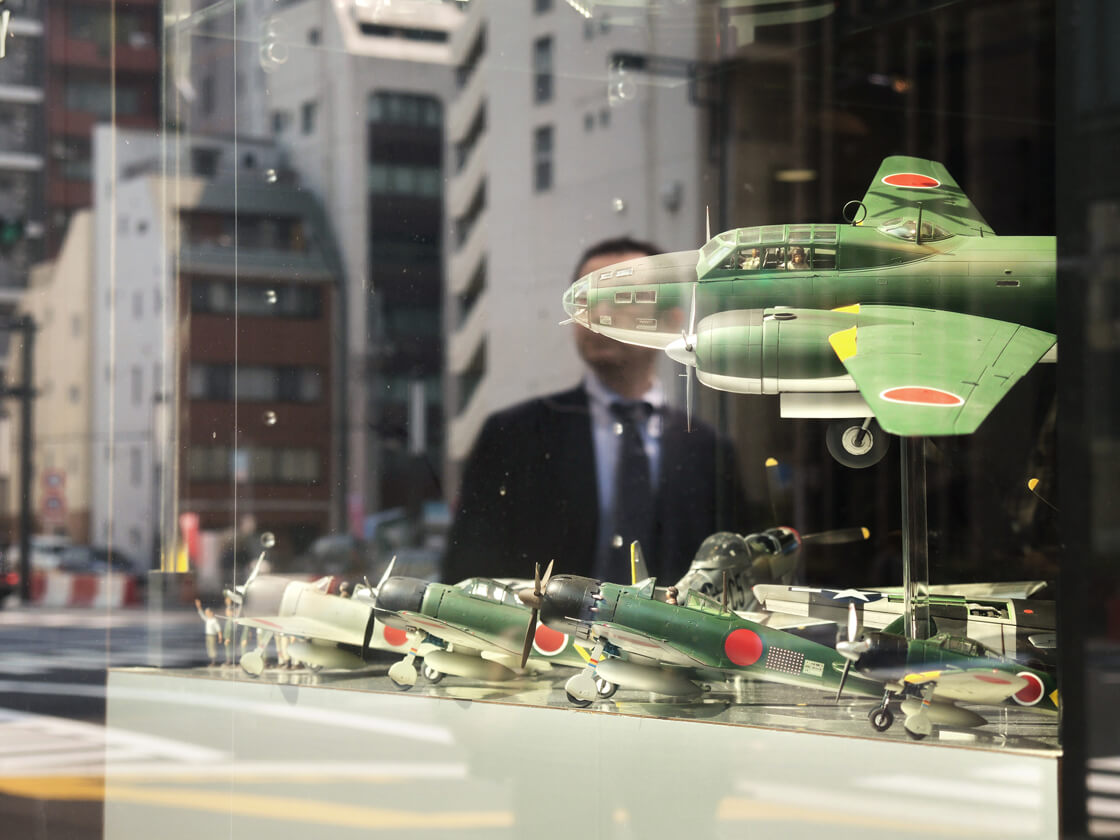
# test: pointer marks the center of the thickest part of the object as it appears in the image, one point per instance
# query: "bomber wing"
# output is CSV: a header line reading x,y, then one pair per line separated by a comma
x,y
461,634
931,372
637,643
306,628
904,183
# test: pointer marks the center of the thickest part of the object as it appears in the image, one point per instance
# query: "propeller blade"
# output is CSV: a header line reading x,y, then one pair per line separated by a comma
x,y
688,398
778,490
843,679
547,576
853,623
386,574
530,632
838,536
256,571
637,563
707,223
692,319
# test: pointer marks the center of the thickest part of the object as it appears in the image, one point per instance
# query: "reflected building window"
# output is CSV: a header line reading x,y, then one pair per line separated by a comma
x,y
542,70
542,158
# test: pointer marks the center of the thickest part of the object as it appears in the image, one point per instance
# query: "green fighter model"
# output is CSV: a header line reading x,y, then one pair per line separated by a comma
x,y
916,315
644,643
641,642
472,629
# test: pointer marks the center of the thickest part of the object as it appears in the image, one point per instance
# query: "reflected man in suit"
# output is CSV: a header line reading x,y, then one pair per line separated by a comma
x,y
575,476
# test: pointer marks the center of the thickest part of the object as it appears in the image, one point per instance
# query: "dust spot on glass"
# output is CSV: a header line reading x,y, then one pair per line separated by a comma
x,y
617,428
270,418
270,176
502,490
616,541
618,205
268,539
270,296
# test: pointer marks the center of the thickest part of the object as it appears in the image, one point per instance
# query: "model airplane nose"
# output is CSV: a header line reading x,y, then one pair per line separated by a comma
x,y
400,594
575,300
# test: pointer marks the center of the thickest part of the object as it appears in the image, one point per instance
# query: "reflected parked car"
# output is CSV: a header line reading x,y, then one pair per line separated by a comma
x,y
95,560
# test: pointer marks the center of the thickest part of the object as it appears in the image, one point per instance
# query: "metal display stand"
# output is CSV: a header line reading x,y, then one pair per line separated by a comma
x,y
915,538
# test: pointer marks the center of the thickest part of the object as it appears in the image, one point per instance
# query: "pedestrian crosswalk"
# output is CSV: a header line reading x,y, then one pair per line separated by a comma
x,y
38,641
33,745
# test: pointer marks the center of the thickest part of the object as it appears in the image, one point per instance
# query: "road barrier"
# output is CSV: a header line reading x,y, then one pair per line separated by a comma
x,y
66,589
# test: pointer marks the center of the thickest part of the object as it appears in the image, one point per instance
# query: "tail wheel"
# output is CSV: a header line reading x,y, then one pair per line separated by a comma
x,y
881,719
854,446
605,689
575,701
431,674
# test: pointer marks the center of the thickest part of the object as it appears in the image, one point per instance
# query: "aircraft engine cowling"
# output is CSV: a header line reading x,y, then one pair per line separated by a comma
x,y
767,351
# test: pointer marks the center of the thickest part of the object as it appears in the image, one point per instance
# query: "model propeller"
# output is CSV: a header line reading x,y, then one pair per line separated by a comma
x,y
778,487
851,648
534,599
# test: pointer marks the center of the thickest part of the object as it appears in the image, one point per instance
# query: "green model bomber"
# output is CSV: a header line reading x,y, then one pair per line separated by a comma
x,y
916,314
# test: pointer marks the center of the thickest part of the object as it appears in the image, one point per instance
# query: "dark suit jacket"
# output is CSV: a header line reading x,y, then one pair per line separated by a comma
x,y
529,493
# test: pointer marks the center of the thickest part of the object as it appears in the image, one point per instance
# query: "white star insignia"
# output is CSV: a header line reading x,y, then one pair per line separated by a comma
x,y
849,593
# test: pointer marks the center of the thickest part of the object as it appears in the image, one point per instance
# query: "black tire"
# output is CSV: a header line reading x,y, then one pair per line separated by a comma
x,y
605,688
575,701
880,719
431,674
855,447
915,736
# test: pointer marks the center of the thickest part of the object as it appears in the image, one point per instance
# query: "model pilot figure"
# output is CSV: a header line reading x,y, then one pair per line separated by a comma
x,y
213,631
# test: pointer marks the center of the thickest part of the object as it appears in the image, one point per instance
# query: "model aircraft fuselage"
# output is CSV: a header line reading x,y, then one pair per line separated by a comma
x,y
920,316
698,635
472,629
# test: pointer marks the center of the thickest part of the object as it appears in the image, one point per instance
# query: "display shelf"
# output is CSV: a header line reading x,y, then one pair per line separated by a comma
x,y
292,752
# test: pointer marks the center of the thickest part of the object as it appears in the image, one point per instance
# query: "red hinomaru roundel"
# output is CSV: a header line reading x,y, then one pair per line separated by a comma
x,y
394,636
912,180
1031,693
743,646
549,642
921,395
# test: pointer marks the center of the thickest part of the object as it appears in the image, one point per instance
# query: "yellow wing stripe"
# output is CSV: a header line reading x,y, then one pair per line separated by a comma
x,y
844,343
852,309
922,677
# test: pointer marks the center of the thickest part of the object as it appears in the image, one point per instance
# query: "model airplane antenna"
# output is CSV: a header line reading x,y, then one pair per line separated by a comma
x,y
707,223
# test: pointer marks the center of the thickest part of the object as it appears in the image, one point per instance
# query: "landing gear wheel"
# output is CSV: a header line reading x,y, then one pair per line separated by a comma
x,y
881,719
431,674
606,689
315,669
856,447
575,701
400,686
916,736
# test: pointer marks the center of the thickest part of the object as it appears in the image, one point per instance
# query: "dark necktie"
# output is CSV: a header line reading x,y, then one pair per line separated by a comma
x,y
633,493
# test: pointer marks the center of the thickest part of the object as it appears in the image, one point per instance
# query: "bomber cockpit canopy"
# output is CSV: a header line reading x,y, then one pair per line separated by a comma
x,y
769,248
907,228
